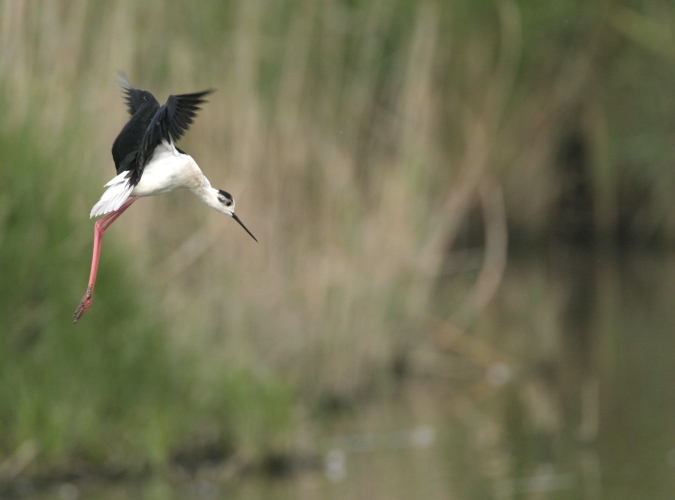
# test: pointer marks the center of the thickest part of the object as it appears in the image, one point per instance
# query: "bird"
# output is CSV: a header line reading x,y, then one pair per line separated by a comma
x,y
148,163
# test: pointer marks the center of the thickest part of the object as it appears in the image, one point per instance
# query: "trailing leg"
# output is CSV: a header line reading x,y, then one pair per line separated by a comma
x,y
99,228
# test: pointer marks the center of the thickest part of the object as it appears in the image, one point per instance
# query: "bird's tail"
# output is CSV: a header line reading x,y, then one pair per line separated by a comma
x,y
119,189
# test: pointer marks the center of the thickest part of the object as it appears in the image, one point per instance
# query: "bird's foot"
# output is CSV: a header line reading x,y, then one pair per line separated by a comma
x,y
84,304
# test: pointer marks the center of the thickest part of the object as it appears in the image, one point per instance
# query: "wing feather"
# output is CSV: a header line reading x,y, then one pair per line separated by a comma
x,y
151,124
170,122
132,96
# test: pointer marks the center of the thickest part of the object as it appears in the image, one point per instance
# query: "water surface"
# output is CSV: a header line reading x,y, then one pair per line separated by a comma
x,y
563,389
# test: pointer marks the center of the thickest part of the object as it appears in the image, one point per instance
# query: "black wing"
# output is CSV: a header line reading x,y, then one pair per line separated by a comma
x,y
133,97
170,122
149,125
142,106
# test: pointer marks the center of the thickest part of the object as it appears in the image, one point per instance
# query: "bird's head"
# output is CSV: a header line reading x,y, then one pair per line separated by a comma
x,y
225,203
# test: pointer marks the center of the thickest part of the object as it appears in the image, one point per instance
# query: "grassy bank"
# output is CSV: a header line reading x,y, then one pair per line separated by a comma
x,y
358,139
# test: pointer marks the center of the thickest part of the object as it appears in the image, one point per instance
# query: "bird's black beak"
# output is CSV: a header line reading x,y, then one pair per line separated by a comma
x,y
234,216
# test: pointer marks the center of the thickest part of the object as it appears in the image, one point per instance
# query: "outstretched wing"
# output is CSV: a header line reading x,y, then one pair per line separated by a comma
x,y
170,122
133,97
142,106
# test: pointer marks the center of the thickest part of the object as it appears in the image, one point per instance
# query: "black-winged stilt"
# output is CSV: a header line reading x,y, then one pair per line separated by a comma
x,y
148,163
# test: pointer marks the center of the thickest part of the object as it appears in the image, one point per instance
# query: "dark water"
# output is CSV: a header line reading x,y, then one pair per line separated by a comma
x,y
564,388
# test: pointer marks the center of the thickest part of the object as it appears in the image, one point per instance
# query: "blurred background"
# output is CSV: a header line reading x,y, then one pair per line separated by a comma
x,y
465,279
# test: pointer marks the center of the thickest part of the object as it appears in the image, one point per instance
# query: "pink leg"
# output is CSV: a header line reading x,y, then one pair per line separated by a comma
x,y
99,228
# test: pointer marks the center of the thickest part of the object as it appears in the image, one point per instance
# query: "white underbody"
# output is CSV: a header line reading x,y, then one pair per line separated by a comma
x,y
167,170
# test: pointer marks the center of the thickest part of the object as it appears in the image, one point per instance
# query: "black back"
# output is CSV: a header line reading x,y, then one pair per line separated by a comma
x,y
149,125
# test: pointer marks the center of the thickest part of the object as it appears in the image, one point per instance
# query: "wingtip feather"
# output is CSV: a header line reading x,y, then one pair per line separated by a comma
x,y
122,80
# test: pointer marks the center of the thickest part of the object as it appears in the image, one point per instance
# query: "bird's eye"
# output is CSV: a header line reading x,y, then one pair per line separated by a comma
x,y
228,202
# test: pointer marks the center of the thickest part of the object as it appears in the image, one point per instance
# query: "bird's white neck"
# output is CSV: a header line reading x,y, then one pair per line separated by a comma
x,y
205,192
190,176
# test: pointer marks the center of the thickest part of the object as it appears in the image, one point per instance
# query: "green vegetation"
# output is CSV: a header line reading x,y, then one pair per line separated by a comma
x,y
358,139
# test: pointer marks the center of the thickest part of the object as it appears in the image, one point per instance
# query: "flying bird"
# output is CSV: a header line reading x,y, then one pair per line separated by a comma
x,y
148,163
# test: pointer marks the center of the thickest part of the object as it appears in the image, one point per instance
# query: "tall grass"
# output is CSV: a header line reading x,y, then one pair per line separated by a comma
x,y
356,138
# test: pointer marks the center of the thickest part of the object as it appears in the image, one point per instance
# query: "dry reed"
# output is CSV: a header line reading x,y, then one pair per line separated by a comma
x,y
337,160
